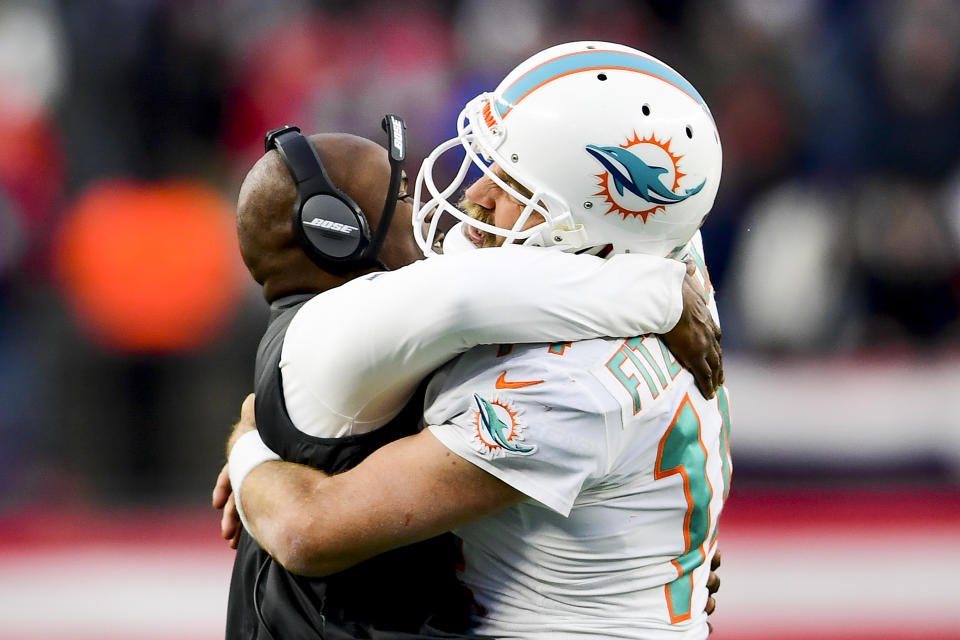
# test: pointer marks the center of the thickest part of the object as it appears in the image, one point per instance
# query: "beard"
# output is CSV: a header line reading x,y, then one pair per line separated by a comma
x,y
481,214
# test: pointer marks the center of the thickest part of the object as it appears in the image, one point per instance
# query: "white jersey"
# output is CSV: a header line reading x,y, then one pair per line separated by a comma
x,y
626,466
354,355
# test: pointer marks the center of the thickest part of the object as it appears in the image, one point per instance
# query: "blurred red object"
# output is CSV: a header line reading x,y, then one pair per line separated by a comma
x,y
278,73
150,266
31,157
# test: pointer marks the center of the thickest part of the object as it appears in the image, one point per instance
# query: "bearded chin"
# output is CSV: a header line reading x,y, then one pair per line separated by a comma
x,y
480,214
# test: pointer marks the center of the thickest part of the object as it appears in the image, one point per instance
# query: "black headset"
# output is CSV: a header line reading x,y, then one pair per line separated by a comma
x,y
332,230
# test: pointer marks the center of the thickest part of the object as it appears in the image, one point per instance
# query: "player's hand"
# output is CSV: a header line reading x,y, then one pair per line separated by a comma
x,y
223,498
695,341
247,422
713,585
230,526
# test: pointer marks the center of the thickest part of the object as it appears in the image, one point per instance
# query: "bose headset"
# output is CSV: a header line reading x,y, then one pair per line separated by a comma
x,y
332,230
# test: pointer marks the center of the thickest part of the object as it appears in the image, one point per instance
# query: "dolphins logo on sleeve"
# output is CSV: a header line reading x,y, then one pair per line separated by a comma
x,y
498,430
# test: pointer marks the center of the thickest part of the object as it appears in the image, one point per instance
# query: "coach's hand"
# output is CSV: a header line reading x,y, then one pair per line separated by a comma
x,y
713,585
695,341
230,526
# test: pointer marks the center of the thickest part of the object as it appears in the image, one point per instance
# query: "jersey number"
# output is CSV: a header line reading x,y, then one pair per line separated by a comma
x,y
682,452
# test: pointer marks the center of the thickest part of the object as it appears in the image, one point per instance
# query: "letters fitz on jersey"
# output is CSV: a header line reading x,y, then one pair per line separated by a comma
x,y
644,367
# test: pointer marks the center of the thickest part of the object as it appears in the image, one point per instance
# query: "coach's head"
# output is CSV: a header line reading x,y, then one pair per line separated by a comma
x,y
358,167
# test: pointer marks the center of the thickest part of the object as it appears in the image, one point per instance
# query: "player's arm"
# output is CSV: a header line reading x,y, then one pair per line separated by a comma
x,y
410,490
311,537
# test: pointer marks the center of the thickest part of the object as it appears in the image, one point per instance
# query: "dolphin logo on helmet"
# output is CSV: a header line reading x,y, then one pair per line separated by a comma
x,y
640,179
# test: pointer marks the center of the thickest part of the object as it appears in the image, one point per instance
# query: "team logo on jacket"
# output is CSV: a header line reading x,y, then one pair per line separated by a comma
x,y
498,430
640,177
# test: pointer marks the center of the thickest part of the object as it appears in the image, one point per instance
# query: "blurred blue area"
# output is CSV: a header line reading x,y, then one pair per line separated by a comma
x,y
833,240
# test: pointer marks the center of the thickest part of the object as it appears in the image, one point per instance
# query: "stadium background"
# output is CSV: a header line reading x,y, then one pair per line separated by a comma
x,y
128,326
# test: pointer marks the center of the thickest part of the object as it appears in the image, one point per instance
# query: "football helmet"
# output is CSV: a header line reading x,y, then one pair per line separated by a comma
x,y
613,146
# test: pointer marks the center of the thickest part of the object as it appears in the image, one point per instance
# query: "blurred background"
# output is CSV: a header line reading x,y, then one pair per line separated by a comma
x,y
128,325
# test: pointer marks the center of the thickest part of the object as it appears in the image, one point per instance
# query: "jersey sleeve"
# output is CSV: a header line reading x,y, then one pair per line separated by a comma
x,y
527,294
353,355
548,440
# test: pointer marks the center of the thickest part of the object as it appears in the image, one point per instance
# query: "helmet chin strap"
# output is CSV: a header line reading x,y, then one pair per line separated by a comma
x,y
456,240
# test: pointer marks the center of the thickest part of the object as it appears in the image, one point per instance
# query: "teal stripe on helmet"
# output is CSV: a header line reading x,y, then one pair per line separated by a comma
x,y
592,60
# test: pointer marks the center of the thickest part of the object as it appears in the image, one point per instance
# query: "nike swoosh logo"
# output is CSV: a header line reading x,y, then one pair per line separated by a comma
x,y
503,384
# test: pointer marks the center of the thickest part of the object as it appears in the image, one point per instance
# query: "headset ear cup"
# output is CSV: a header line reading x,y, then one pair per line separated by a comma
x,y
331,231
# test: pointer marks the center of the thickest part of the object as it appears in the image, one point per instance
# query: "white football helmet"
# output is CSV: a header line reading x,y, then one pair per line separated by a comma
x,y
614,146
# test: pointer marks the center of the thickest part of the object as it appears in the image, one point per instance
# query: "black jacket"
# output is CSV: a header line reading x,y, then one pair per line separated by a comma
x,y
407,593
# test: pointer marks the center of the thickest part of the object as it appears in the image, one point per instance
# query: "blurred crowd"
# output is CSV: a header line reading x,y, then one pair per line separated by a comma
x,y
128,325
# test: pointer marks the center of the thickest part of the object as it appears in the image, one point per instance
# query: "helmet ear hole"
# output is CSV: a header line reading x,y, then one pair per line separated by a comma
x,y
645,109
690,132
